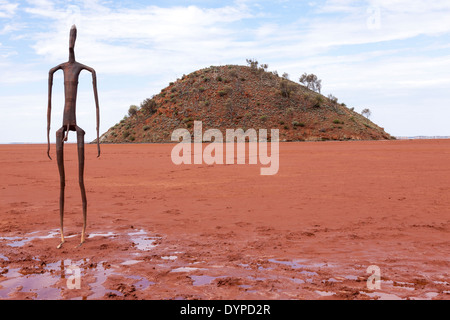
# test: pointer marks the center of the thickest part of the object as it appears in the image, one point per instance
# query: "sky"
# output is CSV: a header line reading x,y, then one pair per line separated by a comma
x,y
392,57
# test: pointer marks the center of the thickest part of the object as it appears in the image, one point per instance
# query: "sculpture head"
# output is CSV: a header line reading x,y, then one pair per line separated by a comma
x,y
72,39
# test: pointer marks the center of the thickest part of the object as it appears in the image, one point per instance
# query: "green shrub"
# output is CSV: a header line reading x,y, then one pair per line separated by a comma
x,y
226,90
125,134
149,106
146,128
263,118
298,124
132,111
287,88
318,102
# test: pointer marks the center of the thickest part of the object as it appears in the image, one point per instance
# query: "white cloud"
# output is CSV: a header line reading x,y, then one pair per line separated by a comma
x,y
7,9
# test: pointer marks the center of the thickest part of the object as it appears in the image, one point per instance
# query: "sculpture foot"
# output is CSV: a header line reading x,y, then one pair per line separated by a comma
x,y
60,245
81,243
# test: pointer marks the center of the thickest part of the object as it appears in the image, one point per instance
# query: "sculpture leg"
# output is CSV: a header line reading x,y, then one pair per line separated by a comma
x,y
80,143
62,179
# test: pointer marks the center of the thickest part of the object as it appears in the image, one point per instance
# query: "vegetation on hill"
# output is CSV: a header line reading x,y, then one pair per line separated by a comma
x,y
232,96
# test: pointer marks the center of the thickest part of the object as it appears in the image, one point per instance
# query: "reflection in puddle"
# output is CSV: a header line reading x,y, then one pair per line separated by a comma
x,y
142,283
186,269
17,241
130,262
142,241
295,264
39,285
51,280
325,293
169,257
299,281
109,234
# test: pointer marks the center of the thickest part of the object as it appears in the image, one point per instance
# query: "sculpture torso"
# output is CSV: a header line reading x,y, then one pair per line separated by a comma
x,y
71,74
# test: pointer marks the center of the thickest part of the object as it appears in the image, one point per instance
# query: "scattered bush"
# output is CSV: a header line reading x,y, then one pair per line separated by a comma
x,y
149,106
146,128
252,63
366,112
311,81
226,90
332,98
287,88
318,101
263,118
298,124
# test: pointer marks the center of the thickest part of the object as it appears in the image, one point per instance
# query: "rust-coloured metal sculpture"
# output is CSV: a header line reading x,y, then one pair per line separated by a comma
x,y
71,71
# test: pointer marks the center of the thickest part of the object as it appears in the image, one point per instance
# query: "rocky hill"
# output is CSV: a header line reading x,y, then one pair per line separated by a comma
x,y
231,97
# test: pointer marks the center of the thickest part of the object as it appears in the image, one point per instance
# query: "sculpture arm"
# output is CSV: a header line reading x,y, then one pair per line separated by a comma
x,y
49,107
97,109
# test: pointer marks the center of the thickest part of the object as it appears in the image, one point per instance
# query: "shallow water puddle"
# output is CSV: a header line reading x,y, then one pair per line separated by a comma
x,y
142,241
18,241
93,235
186,269
202,280
59,277
55,280
295,264
169,257
39,285
325,293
